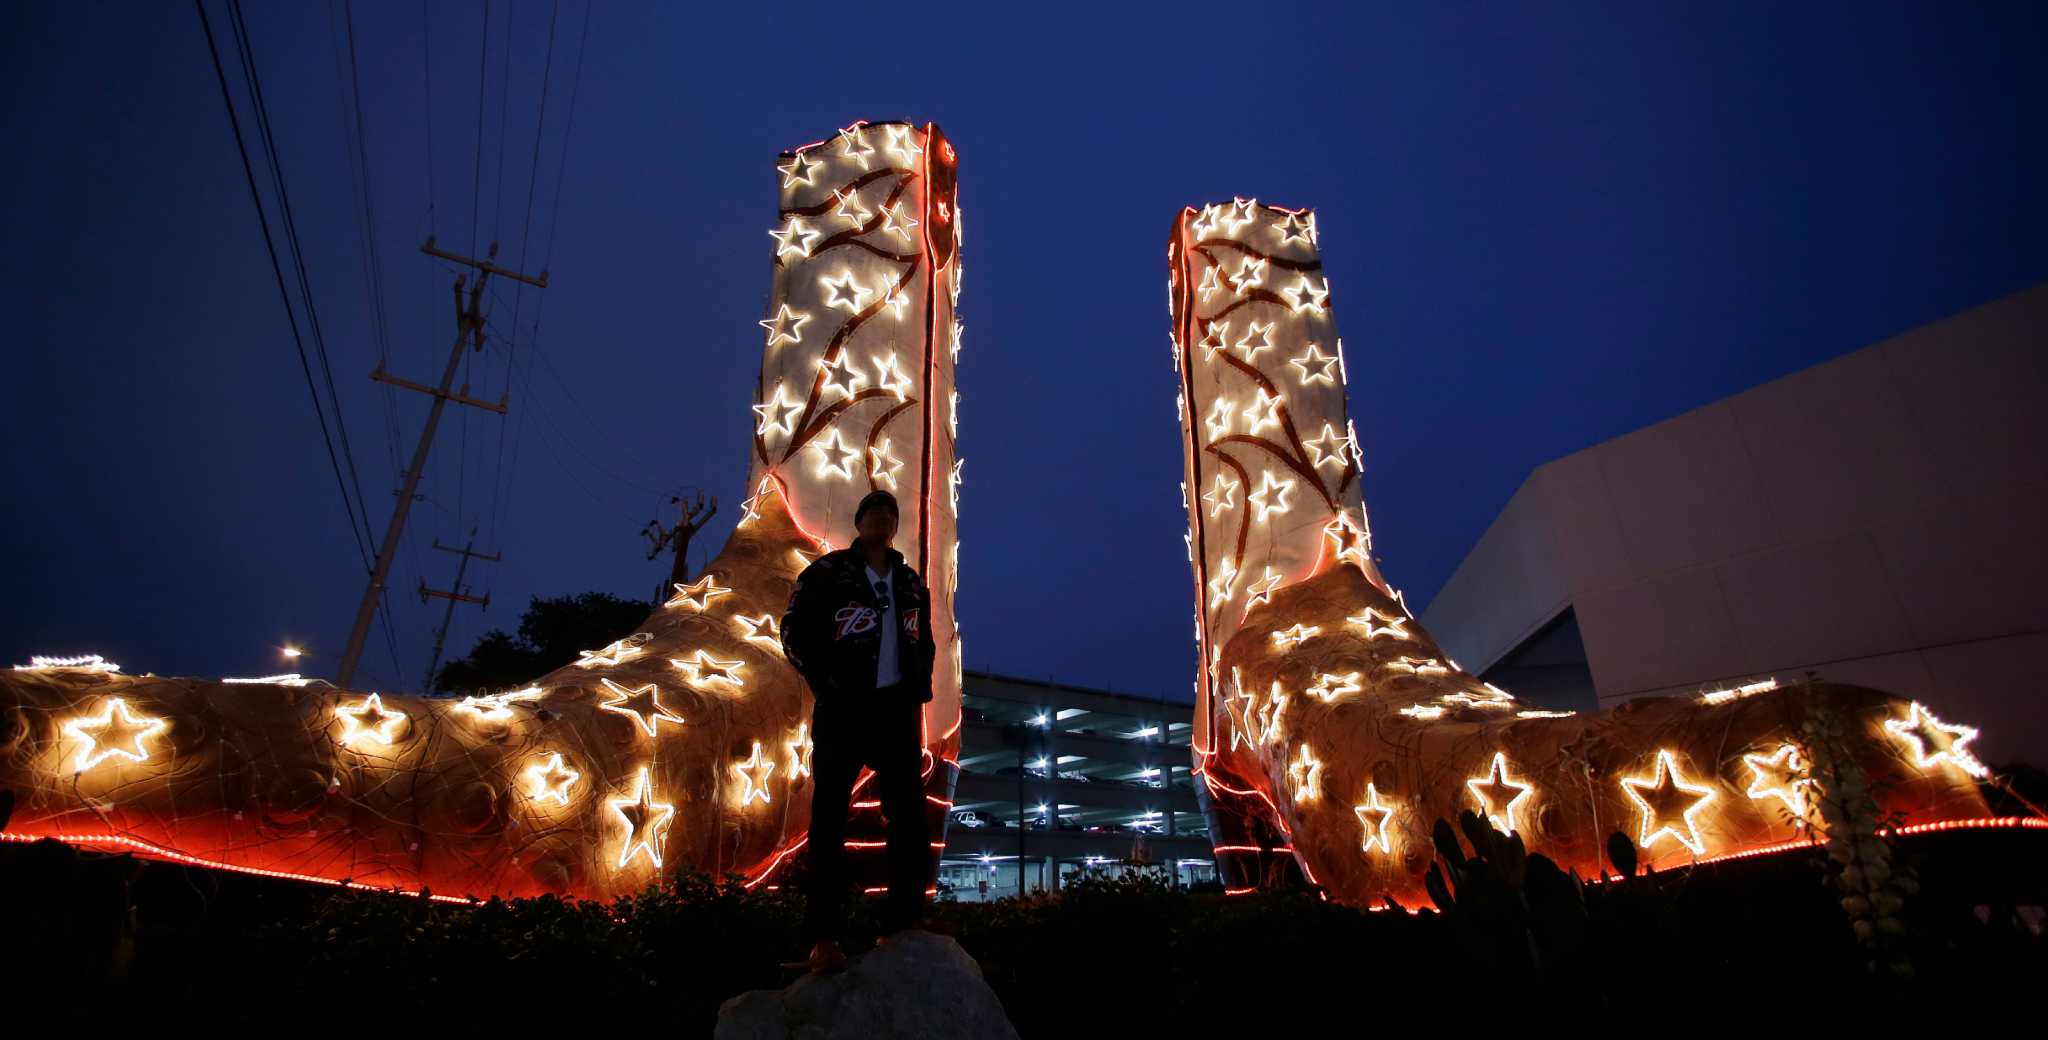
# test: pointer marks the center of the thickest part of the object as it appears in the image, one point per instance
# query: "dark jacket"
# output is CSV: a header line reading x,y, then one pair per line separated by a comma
x,y
832,633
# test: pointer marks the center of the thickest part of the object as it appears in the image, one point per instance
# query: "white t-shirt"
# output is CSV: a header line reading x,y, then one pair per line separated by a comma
x,y
888,670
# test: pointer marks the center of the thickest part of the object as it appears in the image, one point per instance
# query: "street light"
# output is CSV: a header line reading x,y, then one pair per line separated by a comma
x,y
291,652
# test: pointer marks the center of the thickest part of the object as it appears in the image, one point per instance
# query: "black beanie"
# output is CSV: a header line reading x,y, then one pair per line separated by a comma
x,y
877,499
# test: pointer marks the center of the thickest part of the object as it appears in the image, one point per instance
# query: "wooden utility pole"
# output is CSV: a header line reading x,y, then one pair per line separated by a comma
x,y
456,593
695,515
469,325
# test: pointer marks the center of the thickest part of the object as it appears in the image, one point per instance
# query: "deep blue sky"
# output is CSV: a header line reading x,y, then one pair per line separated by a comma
x,y
1546,225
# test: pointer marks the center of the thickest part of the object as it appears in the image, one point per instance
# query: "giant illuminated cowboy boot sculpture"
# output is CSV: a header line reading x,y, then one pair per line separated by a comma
x,y
684,745
1331,731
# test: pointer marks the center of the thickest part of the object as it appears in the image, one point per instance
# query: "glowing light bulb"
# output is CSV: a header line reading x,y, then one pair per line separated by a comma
x,y
1659,796
117,732
292,652
786,326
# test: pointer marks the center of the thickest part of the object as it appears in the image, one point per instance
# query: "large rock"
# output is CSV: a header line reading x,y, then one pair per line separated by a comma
x,y
915,985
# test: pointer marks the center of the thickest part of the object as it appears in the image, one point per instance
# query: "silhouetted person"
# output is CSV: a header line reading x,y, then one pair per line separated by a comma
x,y
858,630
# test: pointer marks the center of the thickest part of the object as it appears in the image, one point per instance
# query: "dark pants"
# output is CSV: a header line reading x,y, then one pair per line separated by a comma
x,y
885,734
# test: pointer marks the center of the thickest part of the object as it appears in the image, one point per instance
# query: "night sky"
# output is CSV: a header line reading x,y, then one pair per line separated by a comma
x,y
1545,226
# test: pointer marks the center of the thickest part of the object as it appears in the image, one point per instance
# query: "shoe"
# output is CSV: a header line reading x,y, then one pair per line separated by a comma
x,y
670,747
1331,729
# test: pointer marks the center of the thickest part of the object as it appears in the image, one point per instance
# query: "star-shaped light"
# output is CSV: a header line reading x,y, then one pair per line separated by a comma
x,y
1933,741
1212,283
777,413
799,748
1271,497
1221,416
1349,543
1261,591
1288,638
794,237
754,774
1239,215
1258,335
646,821
496,707
698,594
896,222
1781,775
953,412
750,508
853,149
1269,714
1250,272
641,704
765,630
902,143
882,466
845,292
1264,411
1314,366
1305,774
1418,666
953,484
894,297
702,671
1204,222
1498,795
1242,719
1668,804
798,169
550,780
889,376
1305,296
618,650
1373,818
787,326
1222,496
959,329
846,206
836,456
1329,686
117,732
1376,623
1215,337
1220,585
369,720
1298,227
1328,449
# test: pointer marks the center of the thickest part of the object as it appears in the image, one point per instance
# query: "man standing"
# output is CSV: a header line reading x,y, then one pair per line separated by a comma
x,y
856,629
